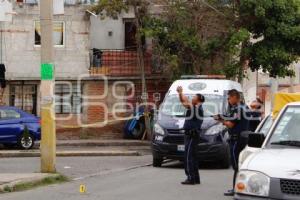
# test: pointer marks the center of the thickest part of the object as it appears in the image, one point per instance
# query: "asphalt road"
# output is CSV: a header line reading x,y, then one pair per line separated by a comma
x,y
120,178
76,167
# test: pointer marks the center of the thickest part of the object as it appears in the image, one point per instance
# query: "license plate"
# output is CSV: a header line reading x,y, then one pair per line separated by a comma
x,y
180,148
159,138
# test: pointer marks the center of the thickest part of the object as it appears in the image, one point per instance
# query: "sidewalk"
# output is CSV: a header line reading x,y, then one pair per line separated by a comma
x,y
10,182
87,148
67,153
102,143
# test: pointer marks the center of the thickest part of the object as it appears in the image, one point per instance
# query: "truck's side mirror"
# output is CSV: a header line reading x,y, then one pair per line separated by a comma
x,y
256,140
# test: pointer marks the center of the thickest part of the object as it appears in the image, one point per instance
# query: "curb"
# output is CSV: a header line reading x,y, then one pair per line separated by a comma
x,y
100,143
31,180
16,154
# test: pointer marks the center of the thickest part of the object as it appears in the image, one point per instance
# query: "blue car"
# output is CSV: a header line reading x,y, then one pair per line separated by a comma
x,y
18,128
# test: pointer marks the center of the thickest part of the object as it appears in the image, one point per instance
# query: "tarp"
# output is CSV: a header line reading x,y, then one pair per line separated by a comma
x,y
282,99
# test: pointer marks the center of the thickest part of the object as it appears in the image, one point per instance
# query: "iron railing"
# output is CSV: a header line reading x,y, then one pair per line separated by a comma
x,y
121,63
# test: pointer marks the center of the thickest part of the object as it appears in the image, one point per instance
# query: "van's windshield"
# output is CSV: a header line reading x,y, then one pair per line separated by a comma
x,y
286,132
171,106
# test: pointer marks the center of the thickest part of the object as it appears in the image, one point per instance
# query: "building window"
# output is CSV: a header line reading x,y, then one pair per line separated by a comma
x,y
58,33
130,35
24,97
68,99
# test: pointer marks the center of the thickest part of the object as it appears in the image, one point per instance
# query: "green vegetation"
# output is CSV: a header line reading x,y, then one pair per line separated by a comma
x,y
218,36
276,24
30,185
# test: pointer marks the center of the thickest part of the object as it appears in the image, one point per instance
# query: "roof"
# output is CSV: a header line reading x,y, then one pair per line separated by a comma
x,y
294,104
210,86
9,107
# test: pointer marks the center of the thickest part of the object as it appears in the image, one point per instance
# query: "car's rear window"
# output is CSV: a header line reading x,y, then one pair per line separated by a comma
x,y
9,114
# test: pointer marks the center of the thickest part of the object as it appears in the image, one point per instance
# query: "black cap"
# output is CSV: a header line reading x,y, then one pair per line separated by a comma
x,y
201,98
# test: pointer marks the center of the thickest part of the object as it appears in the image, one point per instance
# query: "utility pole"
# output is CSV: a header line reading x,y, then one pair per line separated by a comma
x,y
48,143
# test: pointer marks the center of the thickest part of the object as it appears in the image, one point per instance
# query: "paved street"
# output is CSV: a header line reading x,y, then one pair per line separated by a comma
x,y
75,167
119,178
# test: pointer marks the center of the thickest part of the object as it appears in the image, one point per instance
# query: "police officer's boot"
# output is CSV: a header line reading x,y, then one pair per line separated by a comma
x,y
188,182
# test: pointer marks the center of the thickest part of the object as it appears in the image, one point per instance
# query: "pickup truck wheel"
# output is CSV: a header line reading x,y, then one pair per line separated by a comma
x,y
157,162
26,142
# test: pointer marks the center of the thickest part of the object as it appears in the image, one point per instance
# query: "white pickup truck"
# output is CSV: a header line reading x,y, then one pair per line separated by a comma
x,y
273,171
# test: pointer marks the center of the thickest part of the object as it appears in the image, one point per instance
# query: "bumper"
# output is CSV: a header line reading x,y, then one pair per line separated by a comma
x,y
37,135
206,151
245,197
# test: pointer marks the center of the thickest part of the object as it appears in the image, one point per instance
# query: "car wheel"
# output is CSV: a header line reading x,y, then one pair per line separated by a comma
x,y
26,142
157,162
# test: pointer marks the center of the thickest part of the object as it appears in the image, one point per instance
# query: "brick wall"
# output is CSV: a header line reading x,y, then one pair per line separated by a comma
x,y
94,112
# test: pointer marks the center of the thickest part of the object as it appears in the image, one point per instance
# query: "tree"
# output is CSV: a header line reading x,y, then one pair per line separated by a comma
x,y
260,34
275,25
198,37
113,8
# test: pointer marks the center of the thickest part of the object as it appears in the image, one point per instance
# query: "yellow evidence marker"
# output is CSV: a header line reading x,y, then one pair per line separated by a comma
x,y
82,189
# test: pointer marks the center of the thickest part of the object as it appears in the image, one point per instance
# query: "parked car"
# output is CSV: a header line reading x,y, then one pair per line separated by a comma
x,y
18,128
273,171
168,133
280,100
263,128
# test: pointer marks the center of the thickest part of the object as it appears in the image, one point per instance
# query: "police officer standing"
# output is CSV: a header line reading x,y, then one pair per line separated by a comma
x,y
256,114
192,127
237,122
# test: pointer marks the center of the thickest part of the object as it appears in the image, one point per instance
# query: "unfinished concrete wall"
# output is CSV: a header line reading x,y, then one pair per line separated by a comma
x,y
100,28
22,57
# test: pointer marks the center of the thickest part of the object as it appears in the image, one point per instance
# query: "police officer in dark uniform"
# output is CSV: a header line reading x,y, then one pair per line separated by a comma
x,y
256,114
236,120
192,127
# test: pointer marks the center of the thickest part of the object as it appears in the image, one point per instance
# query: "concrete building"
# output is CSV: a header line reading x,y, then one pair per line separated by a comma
x,y
94,59
258,84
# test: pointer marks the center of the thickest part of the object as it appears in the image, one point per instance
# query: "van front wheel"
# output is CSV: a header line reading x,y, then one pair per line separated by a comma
x,y
157,162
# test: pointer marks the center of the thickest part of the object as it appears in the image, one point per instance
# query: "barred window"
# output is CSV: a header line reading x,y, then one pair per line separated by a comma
x,y
68,99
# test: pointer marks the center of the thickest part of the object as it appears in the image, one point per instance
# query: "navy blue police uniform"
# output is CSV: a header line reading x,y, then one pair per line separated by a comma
x,y
239,116
255,120
192,127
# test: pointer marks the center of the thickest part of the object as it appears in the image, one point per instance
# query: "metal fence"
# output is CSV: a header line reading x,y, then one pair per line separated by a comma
x,y
121,63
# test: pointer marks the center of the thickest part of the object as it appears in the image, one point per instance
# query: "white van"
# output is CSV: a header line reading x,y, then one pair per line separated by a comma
x,y
273,171
168,137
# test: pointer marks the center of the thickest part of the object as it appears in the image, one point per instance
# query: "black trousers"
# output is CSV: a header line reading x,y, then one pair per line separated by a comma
x,y
236,147
191,163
